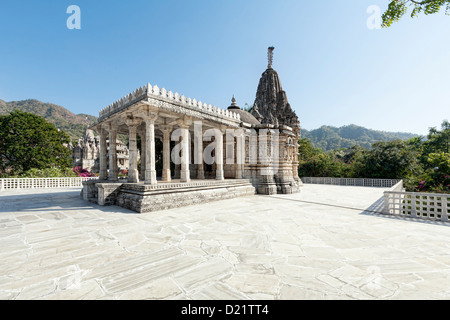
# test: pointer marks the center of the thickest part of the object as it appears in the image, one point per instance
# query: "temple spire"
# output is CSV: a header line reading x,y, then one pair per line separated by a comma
x,y
271,104
270,57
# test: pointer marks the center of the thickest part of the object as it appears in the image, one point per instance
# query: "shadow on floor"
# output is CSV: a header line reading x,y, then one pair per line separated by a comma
x,y
53,201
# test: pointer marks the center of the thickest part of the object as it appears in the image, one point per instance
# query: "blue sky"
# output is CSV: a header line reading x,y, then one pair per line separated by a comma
x,y
334,69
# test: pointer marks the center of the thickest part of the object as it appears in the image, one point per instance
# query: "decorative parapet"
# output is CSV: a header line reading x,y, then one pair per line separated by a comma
x,y
149,91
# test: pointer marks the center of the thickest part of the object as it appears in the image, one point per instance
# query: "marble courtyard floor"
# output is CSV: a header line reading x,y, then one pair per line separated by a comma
x,y
327,242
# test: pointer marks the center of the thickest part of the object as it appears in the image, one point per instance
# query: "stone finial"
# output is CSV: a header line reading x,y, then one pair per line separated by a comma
x,y
233,104
270,57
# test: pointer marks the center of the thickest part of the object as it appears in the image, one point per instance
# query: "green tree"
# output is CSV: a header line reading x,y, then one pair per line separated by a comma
x,y
389,160
248,108
348,155
28,141
313,162
436,178
438,141
398,8
306,150
440,172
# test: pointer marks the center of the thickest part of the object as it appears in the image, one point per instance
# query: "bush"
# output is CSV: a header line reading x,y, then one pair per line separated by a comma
x,y
324,165
80,172
46,173
436,178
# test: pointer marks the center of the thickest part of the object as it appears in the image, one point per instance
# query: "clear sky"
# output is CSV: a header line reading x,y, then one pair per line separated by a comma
x,y
334,69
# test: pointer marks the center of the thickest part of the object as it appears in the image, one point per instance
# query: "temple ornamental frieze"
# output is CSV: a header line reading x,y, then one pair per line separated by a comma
x,y
169,105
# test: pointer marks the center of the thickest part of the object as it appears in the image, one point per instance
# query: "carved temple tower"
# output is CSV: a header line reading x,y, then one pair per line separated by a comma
x,y
272,109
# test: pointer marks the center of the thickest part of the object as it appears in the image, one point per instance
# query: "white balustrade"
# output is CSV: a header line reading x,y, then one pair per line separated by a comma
x,y
38,183
422,205
362,182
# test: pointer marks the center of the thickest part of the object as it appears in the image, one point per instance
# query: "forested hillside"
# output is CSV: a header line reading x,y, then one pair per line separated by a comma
x,y
330,138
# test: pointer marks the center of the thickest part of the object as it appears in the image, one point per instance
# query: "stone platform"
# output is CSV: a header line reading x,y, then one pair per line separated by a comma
x,y
326,242
143,198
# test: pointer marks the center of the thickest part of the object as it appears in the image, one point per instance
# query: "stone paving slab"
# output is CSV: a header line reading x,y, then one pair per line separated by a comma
x,y
326,242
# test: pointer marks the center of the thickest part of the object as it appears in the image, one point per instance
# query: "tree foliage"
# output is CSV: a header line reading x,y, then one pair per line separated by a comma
x,y
313,162
45,173
28,141
398,8
389,160
439,141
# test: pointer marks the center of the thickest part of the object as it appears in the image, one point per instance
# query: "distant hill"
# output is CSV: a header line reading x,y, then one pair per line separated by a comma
x,y
329,138
73,124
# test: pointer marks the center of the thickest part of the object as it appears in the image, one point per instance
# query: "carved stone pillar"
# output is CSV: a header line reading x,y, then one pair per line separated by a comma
x,y
166,173
177,171
143,143
219,156
113,172
240,154
150,159
185,174
199,155
103,160
133,176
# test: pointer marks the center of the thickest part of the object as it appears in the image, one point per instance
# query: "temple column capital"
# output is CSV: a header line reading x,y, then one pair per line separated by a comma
x,y
165,128
239,133
185,123
151,116
148,115
110,127
133,122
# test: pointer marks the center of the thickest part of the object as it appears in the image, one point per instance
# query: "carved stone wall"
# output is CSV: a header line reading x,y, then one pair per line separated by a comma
x,y
86,154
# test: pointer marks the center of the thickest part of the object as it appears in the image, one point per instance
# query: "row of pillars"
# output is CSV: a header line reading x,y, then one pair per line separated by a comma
x,y
148,170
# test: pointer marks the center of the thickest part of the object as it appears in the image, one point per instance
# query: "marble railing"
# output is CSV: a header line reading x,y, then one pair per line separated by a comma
x,y
38,183
155,92
428,206
358,182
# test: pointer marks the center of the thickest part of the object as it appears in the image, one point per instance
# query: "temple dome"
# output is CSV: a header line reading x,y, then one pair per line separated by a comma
x,y
246,116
